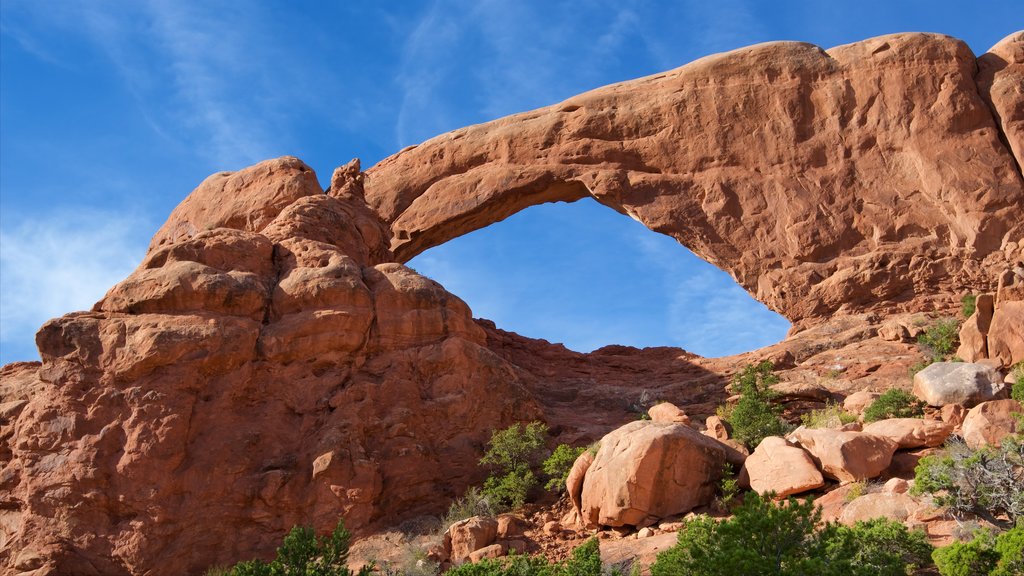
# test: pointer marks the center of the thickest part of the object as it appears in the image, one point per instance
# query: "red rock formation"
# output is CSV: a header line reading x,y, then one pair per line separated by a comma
x,y
252,374
271,362
821,180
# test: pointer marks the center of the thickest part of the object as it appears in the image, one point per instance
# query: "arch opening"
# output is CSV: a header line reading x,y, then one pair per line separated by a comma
x,y
586,276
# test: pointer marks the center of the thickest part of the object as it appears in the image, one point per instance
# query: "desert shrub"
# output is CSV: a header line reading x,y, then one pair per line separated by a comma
x,y
512,454
968,304
880,546
974,558
765,538
728,487
585,561
754,416
1010,546
857,489
1017,390
894,403
302,553
831,416
940,339
472,503
559,464
987,482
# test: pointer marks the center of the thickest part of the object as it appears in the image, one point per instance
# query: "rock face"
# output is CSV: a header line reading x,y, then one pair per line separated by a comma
x,y
974,332
272,363
465,537
784,164
944,383
645,471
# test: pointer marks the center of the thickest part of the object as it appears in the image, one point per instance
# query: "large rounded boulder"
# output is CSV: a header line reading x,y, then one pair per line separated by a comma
x,y
645,471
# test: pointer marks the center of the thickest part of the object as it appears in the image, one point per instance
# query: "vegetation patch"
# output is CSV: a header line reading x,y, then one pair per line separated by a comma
x,y
968,304
894,403
559,464
831,416
755,416
303,554
787,539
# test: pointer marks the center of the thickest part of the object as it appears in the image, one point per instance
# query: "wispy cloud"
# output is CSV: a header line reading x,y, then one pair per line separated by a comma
x,y
58,263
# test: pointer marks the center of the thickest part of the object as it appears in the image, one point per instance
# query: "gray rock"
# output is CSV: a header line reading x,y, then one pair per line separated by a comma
x,y
964,383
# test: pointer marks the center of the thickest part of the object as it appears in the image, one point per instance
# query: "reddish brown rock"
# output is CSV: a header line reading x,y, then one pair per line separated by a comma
x,y
892,505
493,551
857,402
802,197
911,432
974,331
1000,77
716,428
668,412
574,481
1006,334
989,422
846,456
646,471
953,414
467,536
780,467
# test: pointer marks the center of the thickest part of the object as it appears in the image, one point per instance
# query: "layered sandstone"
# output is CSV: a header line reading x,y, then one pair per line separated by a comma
x,y
272,363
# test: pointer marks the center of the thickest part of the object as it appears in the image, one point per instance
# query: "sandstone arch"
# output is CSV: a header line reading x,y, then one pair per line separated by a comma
x,y
821,180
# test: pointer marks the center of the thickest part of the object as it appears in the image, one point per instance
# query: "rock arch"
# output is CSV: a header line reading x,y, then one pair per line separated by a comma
x,y
823,181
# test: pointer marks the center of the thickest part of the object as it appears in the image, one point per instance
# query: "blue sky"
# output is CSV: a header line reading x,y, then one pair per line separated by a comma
x,y
111,112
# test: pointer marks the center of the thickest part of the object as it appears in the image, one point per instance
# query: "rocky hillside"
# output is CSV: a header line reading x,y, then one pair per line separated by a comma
x,y
271,362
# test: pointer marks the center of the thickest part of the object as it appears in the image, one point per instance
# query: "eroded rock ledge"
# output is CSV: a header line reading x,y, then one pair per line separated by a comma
x,y
272,363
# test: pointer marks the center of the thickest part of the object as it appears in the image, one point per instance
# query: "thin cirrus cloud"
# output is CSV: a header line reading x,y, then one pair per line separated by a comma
x,y
61,262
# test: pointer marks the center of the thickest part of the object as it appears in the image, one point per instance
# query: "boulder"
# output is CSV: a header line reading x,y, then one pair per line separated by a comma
x,y
846,456
896,486
574,481
857,402
645,471
974,331
953,414
989,422
780,467
964,383
467,536
492,551
716,428
1006,335
892,505
911,432
511,526
668,412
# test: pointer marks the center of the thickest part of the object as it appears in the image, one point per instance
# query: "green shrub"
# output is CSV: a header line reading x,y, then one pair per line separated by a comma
x,y
1010,546
513,453
754,416
968,304
765,538
1017,390
974,558
880,546
559,464
941,339
472,503
585,561
894,403
987,482
302,553
831,416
